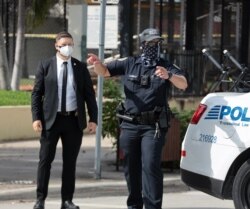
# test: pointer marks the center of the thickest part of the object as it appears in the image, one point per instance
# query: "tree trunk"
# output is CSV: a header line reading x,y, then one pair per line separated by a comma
x,y
4,68
19,51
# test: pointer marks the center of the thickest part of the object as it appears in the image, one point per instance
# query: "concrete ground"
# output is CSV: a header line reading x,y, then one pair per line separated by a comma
x,y
18,164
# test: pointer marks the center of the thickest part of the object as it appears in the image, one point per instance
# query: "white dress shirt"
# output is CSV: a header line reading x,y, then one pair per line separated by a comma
x,y
71,103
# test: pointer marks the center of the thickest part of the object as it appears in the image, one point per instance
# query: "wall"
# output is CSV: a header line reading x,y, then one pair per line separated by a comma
x,y
16,123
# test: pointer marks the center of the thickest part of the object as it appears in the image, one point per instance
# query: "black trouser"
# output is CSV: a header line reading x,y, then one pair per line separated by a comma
x,y
66,128
142,166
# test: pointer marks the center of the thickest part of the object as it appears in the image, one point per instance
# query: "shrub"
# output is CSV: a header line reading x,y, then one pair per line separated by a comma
x,y
184,117
112,97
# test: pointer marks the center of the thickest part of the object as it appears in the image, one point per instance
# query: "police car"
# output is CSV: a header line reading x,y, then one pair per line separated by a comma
x,y
215,155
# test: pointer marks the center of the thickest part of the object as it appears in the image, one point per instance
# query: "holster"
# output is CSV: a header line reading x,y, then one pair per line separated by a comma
x,y
169,116
159,115
163,121
120,112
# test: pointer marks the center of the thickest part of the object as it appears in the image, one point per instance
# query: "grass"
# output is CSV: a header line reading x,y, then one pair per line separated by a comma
x,y
14,98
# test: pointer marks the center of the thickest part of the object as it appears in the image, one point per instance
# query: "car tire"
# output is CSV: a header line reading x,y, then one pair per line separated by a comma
x,y
241,187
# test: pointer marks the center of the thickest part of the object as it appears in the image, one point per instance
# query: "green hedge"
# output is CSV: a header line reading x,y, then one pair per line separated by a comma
x,y
113,96
184,117
14,98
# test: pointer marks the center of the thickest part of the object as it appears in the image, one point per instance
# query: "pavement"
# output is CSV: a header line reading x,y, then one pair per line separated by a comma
x,y
18,167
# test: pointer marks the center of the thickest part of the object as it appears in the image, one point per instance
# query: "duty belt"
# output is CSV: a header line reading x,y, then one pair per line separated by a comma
x,y
156,117
144,118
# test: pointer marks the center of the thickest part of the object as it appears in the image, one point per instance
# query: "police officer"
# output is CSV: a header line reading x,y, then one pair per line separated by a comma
x,y
146,80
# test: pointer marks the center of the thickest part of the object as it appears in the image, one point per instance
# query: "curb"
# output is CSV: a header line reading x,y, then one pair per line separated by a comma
x,y
98,188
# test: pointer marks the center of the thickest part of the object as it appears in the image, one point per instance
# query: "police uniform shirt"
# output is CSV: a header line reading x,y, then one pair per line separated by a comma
x,y
143,89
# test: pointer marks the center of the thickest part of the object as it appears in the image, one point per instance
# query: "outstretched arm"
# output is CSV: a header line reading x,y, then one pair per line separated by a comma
x,y
99,67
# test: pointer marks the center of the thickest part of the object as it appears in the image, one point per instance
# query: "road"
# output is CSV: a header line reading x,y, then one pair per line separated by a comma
x,y
177,200
18,164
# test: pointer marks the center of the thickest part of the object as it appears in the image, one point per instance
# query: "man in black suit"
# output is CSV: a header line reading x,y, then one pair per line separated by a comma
x,y
62,89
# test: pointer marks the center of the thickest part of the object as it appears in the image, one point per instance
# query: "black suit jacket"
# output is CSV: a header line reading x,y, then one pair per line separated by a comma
x,y
45,93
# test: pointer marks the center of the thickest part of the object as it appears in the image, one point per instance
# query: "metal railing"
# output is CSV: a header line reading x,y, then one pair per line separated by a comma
x,y
230,79
191,61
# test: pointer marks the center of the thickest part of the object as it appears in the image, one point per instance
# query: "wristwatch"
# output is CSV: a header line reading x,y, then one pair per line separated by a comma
x,y
170,74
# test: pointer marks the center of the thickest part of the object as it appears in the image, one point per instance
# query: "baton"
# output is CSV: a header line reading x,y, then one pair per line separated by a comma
x,y
125,117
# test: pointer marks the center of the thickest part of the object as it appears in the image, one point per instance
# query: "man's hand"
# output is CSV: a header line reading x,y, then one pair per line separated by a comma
x,y
93,59
178,81
161,72
37,126
92,127
99,68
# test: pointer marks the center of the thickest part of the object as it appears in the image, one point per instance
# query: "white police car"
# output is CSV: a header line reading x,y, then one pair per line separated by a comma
x,y
215,156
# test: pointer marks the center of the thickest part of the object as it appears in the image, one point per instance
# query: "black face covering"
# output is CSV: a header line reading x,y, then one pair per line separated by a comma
x,y
150,52
150,55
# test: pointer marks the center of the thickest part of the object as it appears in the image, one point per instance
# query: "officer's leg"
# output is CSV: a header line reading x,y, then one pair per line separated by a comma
x,y
130,143
152,177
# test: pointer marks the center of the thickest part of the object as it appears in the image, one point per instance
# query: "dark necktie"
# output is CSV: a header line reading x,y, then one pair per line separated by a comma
x,y
64,87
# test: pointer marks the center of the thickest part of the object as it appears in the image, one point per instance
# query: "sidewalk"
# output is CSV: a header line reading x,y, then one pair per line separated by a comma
x,y
109,202
18,164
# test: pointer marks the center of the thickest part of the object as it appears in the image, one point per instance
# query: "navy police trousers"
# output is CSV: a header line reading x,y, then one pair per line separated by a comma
x,y
142,149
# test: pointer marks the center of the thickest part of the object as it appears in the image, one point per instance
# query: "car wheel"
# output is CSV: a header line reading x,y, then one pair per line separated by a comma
x,y
241,187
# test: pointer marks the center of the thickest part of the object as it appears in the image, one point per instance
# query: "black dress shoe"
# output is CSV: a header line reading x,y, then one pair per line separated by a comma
x,y
69,205
39,204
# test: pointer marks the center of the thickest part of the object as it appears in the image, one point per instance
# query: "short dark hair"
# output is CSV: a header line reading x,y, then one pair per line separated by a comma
x,y
63,34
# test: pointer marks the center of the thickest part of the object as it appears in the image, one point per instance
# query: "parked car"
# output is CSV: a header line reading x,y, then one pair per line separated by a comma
x,y
215,155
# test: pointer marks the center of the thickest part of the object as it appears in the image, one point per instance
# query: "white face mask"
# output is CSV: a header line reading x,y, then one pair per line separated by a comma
x,y
66,50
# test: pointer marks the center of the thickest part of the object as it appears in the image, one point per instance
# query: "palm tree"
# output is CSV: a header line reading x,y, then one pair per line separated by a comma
x,y
19,51
38,11
4,68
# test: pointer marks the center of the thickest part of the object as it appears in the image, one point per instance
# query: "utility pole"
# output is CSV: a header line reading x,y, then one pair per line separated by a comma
x,y
100,91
